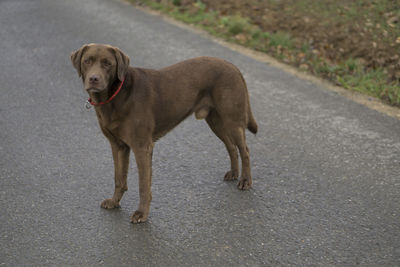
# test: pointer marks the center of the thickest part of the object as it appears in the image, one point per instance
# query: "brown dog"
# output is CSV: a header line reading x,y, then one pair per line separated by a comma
x,y
135,107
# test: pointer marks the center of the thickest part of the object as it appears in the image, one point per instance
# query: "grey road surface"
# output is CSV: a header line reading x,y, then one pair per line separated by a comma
x,y
326,170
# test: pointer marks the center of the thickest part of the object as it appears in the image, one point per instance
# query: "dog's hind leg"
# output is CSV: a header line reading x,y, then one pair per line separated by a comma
x,y
239,137
216,125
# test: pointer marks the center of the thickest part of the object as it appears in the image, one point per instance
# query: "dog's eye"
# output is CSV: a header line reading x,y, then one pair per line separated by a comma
x,y
86,61
106,63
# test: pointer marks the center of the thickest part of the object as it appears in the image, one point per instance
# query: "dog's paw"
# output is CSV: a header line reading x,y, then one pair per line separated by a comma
x,y
138,217
244,183
230,176
109,204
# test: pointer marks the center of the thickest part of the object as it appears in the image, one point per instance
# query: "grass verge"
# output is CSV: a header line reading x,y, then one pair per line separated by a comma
x,y
350,73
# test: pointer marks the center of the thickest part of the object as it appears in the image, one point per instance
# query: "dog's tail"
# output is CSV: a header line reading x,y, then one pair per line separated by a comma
x,y
252,124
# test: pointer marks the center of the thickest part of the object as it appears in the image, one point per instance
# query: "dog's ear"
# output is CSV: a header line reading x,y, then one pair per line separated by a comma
x,y
122,63
76,57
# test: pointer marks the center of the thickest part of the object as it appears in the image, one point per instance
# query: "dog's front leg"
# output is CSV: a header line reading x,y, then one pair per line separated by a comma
x,y
143,156
120,154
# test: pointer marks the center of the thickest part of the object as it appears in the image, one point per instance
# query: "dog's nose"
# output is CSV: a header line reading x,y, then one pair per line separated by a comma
x,y
94,79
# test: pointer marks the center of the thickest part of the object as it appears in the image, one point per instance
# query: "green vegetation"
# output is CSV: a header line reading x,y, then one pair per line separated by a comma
x,y
351,73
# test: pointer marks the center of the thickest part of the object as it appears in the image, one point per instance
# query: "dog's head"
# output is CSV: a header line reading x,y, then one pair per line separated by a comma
x,y
99,66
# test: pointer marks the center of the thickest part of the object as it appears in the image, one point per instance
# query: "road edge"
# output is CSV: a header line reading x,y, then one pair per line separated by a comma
x,y
368,101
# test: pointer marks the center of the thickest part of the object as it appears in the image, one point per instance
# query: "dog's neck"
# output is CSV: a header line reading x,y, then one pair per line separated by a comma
x,y
108,113
103,96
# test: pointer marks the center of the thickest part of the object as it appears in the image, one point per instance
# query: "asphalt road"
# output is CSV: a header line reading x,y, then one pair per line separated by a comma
x,y
326,170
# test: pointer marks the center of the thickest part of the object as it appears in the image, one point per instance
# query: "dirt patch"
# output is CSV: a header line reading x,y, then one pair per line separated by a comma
x,y
317,37
335,30
371,102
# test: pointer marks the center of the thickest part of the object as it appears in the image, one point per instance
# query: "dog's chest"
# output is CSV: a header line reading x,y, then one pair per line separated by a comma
x,y
117,132
112,125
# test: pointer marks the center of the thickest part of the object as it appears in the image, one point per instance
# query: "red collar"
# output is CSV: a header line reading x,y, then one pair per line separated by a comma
x,y
90,101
